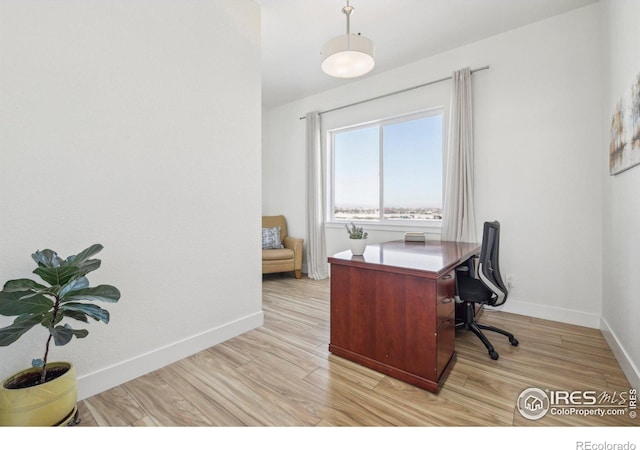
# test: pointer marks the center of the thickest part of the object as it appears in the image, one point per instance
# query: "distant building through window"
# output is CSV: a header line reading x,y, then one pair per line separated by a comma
x,y
389,170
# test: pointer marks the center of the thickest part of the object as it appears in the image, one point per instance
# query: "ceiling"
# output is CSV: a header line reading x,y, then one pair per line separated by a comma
x,y
403,31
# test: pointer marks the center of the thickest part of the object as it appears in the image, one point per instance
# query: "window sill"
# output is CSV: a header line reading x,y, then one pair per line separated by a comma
x,y
433,227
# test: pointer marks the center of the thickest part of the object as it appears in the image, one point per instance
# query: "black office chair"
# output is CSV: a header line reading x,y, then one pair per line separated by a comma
x,y
486,288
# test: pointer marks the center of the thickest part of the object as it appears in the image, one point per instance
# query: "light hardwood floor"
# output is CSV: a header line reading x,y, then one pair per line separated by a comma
x,y
282,374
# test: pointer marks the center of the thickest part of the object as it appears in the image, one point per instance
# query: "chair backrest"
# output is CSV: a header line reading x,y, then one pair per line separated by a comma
x,y
488,266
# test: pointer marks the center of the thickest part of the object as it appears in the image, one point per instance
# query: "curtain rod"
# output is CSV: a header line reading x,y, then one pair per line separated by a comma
x,y
396,92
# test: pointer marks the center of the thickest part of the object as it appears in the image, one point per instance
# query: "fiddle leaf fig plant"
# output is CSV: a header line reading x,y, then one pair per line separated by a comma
x,y
66,295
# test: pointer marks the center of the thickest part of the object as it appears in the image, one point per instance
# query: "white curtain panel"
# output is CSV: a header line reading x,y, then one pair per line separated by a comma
x,y
317,265
458,221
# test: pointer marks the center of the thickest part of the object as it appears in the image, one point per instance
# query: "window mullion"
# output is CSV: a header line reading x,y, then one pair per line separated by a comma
x,y
381,173
330,188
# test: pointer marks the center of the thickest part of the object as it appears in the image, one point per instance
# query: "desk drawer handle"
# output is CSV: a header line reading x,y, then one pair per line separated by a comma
x,y
446,324
447,300
446,277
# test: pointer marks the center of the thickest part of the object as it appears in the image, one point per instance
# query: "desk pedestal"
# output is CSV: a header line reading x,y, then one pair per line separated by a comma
x,y
393,309
400,325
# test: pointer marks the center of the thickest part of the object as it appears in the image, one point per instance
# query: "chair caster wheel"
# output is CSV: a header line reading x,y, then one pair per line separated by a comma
x,y
514,342
494,355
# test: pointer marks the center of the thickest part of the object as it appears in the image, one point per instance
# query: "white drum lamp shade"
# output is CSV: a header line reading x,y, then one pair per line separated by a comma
x,y
348,56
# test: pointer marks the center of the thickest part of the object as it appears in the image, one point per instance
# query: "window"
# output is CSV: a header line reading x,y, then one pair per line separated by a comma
x,y
388,171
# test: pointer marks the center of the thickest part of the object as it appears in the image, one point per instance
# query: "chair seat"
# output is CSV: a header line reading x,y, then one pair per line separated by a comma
x,y
277,254
474,290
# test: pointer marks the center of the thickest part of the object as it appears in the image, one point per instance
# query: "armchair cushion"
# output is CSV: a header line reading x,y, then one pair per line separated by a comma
x,y
271,238
278,254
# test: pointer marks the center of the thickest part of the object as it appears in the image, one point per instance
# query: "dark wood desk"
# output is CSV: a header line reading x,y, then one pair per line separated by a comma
x,y
393,308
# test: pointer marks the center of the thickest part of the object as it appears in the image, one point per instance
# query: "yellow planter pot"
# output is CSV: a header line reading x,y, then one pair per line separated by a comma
x,y
48,404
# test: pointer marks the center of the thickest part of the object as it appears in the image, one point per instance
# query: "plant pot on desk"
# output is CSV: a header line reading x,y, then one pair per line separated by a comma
x,y
357,246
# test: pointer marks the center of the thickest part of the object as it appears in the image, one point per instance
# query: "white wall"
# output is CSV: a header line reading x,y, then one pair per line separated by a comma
x,y
130,124
621,283
538,115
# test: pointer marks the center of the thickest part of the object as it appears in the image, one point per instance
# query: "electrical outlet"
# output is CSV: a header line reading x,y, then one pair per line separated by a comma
x,y
510,279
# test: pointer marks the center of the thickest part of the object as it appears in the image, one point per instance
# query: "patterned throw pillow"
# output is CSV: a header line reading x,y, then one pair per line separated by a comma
x,y
271,238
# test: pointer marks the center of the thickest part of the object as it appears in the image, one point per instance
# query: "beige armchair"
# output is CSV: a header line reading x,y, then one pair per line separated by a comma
x,y
285,259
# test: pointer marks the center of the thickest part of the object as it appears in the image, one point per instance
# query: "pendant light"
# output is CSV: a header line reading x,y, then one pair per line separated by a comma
x,y
348,56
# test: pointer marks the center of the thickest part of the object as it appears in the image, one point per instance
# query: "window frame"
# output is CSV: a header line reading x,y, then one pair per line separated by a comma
x,y
430,225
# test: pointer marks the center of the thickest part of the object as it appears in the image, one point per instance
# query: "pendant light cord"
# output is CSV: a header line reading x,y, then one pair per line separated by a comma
x,y
347,10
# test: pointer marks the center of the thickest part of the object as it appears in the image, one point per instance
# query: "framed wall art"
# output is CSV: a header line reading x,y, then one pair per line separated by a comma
x,y
624,148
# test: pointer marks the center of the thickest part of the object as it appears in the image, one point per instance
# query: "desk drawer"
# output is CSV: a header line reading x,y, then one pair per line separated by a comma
x,y
445,321
445,298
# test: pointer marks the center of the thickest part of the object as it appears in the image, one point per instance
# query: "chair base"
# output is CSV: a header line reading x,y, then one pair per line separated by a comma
x,y
470,323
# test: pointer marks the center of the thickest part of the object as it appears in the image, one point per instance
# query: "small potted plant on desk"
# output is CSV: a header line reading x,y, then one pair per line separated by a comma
x,y
357,239
46,394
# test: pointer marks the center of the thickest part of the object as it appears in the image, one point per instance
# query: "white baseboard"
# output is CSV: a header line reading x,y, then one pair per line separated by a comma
x,y
551,313
578,318
109,377
626,364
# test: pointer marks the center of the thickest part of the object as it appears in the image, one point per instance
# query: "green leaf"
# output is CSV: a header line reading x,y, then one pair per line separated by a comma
x,y
48,318
16,304
37,363
22,324
74,315
61,334
104,293
23,284
84,254
91,310
82,261
47,258
88,266
80,333
53,291
74,285
57,276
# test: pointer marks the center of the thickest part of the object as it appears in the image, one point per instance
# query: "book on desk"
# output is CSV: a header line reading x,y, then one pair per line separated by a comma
x,y
415,236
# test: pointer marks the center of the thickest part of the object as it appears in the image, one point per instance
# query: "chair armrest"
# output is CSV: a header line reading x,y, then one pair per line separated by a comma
x,y
292,243
295,244
469,266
